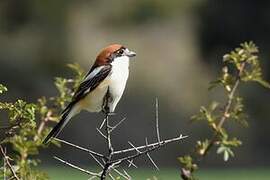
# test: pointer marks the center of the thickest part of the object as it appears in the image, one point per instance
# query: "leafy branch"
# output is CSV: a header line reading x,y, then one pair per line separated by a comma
x,y
27,127
241,65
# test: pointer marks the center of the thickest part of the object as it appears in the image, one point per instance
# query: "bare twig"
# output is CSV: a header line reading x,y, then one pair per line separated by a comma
x,y
102,124
120,122
80,148
150,158
151,145
121,174
76,167
131,163
91,178
99,131
127,174
157,123
134,147
6,159
99,163
111,177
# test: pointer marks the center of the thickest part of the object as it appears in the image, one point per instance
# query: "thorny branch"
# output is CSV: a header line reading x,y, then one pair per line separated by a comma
x,y
150,158
80,148
157,123
76,167
108,162
150,148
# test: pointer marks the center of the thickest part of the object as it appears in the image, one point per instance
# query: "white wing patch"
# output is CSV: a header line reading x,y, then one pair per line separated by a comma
x,y
93,73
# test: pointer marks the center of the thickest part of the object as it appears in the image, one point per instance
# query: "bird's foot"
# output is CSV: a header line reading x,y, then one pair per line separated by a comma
x,y
111,113
108,113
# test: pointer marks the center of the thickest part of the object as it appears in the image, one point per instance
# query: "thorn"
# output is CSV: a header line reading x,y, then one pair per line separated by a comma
x,y
131,163
101,133
150,158
102,124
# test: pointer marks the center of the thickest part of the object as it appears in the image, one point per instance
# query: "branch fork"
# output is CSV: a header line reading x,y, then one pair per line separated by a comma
x,y
108,162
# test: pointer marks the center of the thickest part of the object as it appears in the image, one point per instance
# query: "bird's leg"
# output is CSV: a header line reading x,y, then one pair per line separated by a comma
x,y
106,111
111,113
105,106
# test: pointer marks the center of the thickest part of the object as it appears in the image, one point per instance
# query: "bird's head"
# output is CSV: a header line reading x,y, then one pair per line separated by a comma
x,y
114,52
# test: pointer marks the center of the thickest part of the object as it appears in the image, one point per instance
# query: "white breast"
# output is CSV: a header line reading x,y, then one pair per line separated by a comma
x,y
118,79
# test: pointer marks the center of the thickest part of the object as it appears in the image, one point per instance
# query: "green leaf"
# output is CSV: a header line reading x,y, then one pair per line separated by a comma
x,y
226,156
76,68
262,82
187,162
226,151
3,88
202,146
221,149
213,106
214,84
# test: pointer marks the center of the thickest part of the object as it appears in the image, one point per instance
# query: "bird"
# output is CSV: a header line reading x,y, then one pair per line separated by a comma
x,y
101,88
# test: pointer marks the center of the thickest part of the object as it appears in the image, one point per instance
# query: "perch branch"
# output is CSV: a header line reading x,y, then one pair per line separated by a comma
x,y
77,167
108,162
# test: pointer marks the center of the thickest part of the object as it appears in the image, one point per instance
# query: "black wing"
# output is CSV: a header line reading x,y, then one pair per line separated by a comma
x,y
91,81
93,78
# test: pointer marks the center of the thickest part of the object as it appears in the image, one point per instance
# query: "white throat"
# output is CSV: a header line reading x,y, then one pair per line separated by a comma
x,y
120,63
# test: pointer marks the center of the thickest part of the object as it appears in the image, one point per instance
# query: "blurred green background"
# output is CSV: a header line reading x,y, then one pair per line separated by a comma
x,y
179,46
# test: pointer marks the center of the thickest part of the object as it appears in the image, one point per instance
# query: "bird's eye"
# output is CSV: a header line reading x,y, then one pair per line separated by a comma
x,y
121,51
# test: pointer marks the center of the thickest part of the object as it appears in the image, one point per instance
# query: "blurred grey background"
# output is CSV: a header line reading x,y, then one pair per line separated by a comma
x,y
179,46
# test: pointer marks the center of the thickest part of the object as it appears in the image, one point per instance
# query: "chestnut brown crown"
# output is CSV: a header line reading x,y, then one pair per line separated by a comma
x,y
111,52
104,57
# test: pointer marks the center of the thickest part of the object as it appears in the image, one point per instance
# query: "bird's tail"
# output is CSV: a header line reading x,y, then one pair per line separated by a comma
x,y
67,114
